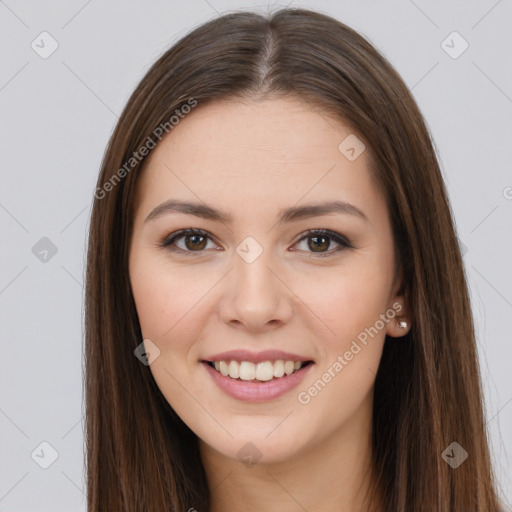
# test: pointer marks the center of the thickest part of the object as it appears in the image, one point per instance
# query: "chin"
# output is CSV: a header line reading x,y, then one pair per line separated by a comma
x,y
263,442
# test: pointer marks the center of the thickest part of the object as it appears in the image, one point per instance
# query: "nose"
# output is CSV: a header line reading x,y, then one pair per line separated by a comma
x,y
256,297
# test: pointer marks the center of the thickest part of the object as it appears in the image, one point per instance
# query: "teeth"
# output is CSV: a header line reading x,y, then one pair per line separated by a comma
x,y
263,371
234,370
224,368
288,367
279,368
247,370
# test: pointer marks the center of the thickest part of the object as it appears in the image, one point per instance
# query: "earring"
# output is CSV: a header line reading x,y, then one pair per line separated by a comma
x,y
402,324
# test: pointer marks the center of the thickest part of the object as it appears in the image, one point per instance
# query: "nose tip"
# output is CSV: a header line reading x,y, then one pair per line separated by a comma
x,y
255,298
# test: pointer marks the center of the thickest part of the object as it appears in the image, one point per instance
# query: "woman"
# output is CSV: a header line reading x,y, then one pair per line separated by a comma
x,y
277,315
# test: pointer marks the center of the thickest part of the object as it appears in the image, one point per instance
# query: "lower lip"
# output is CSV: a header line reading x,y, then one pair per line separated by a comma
x,y
257,391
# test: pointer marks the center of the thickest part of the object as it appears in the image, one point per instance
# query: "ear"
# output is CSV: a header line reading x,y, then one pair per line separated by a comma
x,y
399,324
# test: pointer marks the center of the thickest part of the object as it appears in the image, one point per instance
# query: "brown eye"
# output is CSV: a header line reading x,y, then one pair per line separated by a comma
x,y
193,241
196,241
319,241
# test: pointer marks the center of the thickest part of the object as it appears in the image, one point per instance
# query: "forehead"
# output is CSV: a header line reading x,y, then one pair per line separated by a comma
x,y
254,154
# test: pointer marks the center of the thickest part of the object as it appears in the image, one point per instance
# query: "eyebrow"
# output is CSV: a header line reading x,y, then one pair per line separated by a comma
x,y
285,215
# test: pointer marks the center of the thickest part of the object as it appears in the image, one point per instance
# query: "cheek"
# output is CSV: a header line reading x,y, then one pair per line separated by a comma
x,y
350,304
344,380
168,302
166,299
344,301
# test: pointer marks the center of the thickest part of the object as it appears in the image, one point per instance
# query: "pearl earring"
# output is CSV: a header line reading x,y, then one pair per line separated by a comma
x,y
402,324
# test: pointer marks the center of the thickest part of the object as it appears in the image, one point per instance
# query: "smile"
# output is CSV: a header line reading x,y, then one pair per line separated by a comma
x,y
263,371
257,382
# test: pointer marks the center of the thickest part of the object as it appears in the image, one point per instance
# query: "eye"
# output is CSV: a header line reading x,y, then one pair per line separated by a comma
x,y
195,240
321,239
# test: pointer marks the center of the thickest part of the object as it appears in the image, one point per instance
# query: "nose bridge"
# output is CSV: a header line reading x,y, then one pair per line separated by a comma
x,y
256,295
252,274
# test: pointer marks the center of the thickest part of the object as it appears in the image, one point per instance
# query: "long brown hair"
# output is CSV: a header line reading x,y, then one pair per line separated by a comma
x,y
140,455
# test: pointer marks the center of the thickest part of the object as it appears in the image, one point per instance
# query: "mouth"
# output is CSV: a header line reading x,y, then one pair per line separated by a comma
x,y
261,381
263,371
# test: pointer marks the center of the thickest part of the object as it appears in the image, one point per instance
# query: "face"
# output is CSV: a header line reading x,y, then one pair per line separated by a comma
x,y
264,280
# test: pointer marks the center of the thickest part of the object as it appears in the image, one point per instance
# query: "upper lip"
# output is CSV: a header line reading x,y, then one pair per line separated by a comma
x,y
256,357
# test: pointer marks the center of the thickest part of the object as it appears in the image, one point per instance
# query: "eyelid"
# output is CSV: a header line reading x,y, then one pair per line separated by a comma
x,y
341,240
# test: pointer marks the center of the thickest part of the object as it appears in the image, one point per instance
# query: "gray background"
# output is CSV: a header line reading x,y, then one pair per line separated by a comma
x,y
57,114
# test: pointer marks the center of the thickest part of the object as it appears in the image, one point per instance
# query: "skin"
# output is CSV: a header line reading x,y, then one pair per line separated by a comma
x,y
250,159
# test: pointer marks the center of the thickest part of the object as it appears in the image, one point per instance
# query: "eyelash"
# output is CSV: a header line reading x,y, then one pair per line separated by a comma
x,y
344,243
